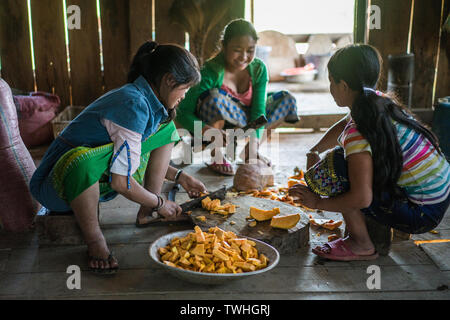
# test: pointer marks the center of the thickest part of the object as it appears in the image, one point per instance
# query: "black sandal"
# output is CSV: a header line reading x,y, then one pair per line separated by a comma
x,y
110,259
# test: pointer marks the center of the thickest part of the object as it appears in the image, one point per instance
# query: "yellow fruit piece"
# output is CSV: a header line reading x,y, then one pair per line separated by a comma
x,y
263,215
200,236
252,224
199,250
285,222
292,182
326,223
201,218
332,237
215,251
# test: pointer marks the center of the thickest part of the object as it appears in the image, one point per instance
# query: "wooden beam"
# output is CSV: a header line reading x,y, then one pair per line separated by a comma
x,y
360,21
443,76
15,48
116,42
140,24
424,45
166,31
84,49
50,48
392,37
236,10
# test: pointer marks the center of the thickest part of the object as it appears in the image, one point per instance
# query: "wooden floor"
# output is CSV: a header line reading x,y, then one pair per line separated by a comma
x,y
30,271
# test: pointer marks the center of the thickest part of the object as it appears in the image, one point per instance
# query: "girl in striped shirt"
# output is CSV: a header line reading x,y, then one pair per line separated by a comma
x,y
384,164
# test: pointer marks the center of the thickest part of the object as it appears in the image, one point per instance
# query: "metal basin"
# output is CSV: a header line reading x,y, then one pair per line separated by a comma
x,y
211,278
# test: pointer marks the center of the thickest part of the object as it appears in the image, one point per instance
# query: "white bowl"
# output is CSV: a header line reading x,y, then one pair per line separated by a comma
x,y
304,77
210,278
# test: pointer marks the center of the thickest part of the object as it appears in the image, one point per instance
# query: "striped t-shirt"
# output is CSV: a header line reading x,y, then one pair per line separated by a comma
x,y
426,174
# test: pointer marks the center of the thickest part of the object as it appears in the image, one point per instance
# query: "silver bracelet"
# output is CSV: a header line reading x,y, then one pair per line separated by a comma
x,y
161,202
177,176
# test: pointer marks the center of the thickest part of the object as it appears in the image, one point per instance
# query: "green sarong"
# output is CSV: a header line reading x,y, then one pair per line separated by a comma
x,y
81,167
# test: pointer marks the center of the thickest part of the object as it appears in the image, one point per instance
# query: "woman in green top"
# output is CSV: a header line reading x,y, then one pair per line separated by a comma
x,y
233,91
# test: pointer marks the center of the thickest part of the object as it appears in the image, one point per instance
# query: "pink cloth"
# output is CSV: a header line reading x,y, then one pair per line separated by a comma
x,y
17,206
245,97
35,113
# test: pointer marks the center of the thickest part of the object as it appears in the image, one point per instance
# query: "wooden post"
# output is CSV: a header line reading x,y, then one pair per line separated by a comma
x,y
84,49
50,48
15,48
236,10
443,76
116,42
392,37
140,21
166,30
360,24
424,45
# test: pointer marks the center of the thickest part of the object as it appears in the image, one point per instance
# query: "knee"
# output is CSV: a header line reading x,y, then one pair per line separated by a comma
x,y
212,95
289,97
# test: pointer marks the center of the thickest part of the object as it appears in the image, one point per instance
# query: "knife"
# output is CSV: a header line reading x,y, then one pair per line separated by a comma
x,y
192,204
197,203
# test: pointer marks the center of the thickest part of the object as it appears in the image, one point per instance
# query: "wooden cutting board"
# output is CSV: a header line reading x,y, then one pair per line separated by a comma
x,y
285,241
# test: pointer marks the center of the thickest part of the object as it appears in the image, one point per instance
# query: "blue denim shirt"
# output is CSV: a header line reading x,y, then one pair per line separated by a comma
x,y
133,106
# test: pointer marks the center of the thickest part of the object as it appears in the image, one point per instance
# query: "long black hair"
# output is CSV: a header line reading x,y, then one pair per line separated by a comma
x,y
238,28
359,65
153,61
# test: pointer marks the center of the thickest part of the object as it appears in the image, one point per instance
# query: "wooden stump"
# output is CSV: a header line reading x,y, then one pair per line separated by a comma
x,y
285,241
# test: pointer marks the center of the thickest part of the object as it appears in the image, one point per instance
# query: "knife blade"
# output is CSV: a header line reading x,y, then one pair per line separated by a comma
x,y
196,203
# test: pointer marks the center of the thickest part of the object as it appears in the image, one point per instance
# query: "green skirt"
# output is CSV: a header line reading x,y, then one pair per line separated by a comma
x,y
81,167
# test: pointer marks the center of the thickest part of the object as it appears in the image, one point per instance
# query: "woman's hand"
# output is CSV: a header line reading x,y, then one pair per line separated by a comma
x,y
170,211
311,159
192,186
303,195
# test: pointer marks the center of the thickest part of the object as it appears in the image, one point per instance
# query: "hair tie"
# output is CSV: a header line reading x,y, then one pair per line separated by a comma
x,y
369,89
378,93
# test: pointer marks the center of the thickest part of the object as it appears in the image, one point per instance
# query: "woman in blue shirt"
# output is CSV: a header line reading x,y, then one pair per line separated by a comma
x,y
123,138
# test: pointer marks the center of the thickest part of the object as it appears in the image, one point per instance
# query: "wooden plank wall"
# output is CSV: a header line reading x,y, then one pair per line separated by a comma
x,y
86,74
392,38
16,59
443,74
424,45
115,40
125,25
50,48
237,8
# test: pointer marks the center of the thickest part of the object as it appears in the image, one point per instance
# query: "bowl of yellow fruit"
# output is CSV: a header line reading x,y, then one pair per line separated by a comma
x,y
215,256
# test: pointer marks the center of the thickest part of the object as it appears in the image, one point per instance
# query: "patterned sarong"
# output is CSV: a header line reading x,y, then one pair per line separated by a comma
x,y
329,177
217,104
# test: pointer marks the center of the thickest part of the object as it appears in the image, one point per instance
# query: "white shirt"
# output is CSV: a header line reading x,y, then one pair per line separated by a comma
x,y
119,135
